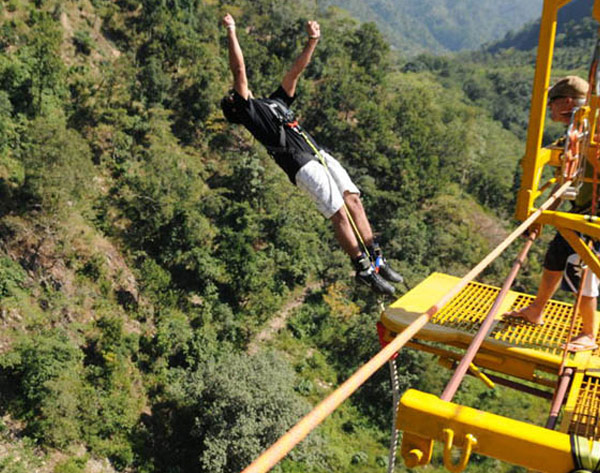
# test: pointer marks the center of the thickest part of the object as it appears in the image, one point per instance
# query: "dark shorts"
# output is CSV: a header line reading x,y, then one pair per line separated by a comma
x,y
558,252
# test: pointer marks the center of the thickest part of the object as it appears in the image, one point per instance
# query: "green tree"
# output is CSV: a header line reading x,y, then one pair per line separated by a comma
x,y
226,413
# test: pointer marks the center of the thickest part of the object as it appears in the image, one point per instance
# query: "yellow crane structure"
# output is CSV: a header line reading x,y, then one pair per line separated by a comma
x,y
459,320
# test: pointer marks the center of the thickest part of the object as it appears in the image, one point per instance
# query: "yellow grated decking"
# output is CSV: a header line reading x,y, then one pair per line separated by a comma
x,y
458,321
585,417
514,347
468,309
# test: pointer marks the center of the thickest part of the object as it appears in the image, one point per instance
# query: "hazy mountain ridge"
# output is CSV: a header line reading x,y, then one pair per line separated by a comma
x,y
574,19
440,26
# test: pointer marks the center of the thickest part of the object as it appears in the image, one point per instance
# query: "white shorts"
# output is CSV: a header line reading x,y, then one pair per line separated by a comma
x,y
572,277
326,186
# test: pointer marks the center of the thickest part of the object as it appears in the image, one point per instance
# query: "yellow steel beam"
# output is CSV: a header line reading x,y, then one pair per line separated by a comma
x,y
571,404
449,363
506,364
596,10
520,443
532,163
583,250
585,224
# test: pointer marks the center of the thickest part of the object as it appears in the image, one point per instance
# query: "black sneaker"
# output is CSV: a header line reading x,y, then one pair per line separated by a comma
x,y
386,272
375,282
365,273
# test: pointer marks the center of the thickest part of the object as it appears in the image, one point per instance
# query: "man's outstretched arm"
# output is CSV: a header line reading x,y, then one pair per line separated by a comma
x,y
236,58
290,80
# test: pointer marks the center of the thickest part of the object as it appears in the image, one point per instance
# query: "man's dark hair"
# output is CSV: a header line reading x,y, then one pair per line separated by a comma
x,y
229,107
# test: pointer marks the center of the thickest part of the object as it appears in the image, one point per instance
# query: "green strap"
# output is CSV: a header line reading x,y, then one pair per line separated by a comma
x,y
324,163
586,454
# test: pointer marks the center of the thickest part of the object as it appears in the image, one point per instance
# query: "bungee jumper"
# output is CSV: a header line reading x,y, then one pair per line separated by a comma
x,y
307,165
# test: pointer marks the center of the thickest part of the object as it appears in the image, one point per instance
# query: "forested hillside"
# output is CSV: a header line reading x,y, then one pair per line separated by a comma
x,y
442,25
146,244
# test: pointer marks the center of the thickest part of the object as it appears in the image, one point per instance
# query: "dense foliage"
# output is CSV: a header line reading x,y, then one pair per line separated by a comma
x,y
145,242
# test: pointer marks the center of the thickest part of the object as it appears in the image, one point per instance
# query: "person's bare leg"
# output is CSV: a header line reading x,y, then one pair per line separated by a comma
x,y
586,340
589,317
344,234
534,313
356,209
364,269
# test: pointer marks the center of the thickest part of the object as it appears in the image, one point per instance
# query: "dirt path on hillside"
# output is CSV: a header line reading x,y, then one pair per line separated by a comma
x,y
278,322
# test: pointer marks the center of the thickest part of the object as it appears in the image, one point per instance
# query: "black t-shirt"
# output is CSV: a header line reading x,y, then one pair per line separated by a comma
x,y
261,121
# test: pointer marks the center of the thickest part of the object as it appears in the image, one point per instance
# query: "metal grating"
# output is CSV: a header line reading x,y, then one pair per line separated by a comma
x,y
549,337
467,310
586,416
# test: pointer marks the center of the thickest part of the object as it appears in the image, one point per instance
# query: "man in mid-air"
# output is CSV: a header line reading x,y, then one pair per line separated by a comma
x,y
306,164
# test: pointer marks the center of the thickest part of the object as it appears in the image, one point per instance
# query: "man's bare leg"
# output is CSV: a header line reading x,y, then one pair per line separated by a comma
x,y
534,313
356,209
589,317
345,235
362,263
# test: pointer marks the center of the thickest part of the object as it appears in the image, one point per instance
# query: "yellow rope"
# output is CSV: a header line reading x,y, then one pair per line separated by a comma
x,y
324,163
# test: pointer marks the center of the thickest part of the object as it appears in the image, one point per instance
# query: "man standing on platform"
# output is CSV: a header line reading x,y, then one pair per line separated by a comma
x,y
566,95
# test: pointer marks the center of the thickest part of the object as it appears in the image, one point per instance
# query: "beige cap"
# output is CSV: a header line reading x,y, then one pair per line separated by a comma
x,y
570,86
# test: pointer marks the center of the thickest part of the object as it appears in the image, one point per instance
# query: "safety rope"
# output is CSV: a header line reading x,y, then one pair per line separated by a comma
x,y
299,130
396,400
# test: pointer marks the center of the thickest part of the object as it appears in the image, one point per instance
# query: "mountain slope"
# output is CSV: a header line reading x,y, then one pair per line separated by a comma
x,y
144,241
573,19
442,25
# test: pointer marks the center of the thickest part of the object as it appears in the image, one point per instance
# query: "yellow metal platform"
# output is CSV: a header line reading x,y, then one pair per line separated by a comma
x,y
514,348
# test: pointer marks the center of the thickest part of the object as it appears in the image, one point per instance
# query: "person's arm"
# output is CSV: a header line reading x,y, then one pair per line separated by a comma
x,y
236,58
290,80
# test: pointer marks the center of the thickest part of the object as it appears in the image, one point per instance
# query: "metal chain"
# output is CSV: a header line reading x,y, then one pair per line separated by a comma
x,y
396,399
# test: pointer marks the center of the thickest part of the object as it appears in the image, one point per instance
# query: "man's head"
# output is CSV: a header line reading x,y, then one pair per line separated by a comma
x,y
229,107
568,93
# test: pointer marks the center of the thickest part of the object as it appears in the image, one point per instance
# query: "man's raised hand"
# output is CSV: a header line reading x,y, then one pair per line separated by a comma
x,y
228,21
313,29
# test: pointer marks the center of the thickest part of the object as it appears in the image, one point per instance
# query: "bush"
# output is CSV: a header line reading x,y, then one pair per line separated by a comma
x,y
72,465
83,42
227,412
57,160
45,372
12,277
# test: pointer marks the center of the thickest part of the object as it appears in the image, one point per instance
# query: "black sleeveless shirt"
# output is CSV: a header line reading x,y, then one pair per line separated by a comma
x,y
259,118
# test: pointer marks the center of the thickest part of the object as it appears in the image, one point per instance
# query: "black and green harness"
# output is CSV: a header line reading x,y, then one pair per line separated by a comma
x,y
586,455
287,119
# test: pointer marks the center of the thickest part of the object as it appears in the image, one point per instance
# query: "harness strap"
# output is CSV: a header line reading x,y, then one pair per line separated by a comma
x,y
586,459
287,119
324,163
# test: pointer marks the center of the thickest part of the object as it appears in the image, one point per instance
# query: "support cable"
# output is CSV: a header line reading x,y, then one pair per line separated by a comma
x,y
269,458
